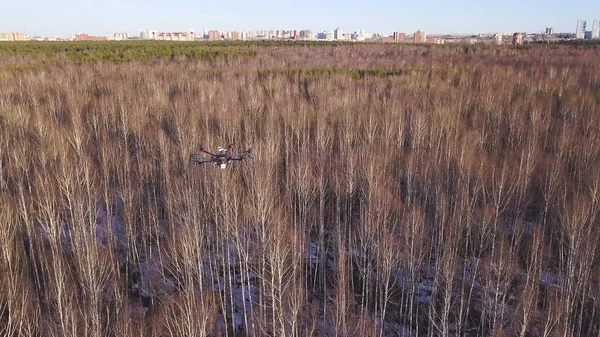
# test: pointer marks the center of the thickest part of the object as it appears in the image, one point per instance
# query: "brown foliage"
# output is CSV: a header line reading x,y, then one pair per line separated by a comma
x,y
430,190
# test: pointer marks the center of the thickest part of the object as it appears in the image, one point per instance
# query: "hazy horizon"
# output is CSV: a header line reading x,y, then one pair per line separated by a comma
x,y
67,17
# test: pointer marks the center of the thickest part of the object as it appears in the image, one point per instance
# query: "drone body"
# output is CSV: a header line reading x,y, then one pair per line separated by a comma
x,y
221,158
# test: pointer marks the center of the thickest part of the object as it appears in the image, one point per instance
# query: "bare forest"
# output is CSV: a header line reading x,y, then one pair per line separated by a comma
x,y
395,190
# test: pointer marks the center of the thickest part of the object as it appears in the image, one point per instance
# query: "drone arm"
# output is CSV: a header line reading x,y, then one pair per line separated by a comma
x,y
196,159
241,156
204,151
229,152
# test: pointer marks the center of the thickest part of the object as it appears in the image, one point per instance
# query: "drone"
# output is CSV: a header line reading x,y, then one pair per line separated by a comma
x,y
221,158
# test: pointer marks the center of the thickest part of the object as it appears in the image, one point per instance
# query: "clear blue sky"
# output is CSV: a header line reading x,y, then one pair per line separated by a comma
x,y
67,17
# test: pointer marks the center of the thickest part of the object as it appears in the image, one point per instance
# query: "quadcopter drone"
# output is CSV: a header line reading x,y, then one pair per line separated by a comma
x,y
221,158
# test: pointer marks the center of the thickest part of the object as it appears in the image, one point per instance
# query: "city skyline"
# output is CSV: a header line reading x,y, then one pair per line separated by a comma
x,y
68,17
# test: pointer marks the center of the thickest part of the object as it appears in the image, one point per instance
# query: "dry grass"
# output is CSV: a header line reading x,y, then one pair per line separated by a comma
x,y
430,190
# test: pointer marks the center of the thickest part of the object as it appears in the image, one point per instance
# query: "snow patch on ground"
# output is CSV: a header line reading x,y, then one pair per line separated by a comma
x,y
424,291
549,278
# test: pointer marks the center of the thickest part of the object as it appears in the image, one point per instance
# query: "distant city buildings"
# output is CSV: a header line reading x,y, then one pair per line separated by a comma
x,y
498,39
419,37
13,36
176,36
307,34
235,35
85,37
337,34
399,37
517,39
361,35
214,35
161,36
117,37
358,36
326,35
580,31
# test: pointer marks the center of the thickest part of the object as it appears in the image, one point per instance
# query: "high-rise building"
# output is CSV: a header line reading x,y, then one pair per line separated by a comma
x,y
120,36
337,34
498,39
236,35
326,35
85,37
162,36
517,39
214,35
419,37
399,37
595,29
580,32
13,36
306,34
549,30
